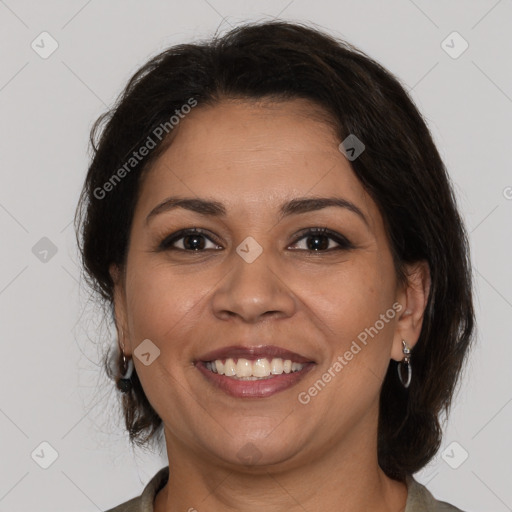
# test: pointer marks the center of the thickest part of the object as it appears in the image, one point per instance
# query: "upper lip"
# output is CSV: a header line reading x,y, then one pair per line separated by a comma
x,y
253,353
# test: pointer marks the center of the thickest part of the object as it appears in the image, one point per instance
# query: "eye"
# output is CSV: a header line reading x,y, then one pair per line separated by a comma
x,y
319,240
196,240
191,240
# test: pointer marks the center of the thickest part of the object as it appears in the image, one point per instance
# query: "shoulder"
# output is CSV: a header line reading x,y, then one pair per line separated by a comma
x,y
144,502
133,505
420,499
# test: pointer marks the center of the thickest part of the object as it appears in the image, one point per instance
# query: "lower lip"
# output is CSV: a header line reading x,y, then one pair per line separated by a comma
x,y
254,388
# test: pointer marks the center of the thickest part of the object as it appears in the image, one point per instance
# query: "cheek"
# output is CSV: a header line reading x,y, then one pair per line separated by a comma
x,y
353,306
164,306
163,303
348,305
350,299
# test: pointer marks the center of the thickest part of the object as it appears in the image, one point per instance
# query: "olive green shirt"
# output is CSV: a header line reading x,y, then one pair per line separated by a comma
x,y
419,498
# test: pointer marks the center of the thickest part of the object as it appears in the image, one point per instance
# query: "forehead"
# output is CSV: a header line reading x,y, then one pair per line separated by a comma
x,y
241,128
254,153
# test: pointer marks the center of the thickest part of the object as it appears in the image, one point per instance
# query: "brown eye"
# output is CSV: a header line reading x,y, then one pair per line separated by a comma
x,y
191,240
320,240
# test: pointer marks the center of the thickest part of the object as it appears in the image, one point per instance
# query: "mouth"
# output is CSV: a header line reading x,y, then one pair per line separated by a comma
x,y
253,372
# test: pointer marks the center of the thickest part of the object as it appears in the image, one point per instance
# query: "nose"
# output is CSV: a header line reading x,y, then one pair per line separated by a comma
x,y
253,291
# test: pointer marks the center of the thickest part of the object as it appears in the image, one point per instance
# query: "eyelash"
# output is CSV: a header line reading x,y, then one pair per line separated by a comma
x,y
343,242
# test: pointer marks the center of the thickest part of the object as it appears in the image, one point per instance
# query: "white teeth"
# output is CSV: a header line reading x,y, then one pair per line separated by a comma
x,y
243,368
262,368
229,367
276,366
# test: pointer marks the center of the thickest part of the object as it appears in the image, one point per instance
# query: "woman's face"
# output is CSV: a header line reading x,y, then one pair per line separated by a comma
x,y
255,278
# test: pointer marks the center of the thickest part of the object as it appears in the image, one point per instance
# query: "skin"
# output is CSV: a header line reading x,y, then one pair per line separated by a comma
x,y
252,157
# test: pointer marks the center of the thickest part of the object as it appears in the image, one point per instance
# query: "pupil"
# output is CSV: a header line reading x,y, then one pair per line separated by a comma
x,y
316,246
195,239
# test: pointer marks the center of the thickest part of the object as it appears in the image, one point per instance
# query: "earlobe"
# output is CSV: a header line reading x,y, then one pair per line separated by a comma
x,y
414,298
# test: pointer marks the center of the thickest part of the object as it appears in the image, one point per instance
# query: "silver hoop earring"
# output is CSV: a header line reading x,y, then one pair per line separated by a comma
x,y
405,362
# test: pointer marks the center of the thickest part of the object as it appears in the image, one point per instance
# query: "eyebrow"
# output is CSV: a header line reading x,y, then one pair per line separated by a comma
x,y
216,209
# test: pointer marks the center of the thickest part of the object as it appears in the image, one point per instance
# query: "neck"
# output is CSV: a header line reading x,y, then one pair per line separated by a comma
x,y
344,477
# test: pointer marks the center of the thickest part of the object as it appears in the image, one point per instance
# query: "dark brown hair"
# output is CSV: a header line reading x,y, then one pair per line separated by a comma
x,y
400,168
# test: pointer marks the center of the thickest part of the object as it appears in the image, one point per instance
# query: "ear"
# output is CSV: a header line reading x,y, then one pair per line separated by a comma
x,y
413,298
120,310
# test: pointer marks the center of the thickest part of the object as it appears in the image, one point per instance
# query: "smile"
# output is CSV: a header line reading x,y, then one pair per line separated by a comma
x,y
245,369
242,378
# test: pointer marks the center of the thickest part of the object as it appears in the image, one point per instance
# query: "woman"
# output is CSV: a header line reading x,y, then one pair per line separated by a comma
x,y
273,227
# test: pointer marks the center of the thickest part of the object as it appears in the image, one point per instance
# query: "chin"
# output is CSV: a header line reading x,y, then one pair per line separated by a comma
x,y
256,453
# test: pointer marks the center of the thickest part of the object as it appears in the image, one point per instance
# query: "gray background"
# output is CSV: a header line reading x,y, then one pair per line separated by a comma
x,y
52,389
